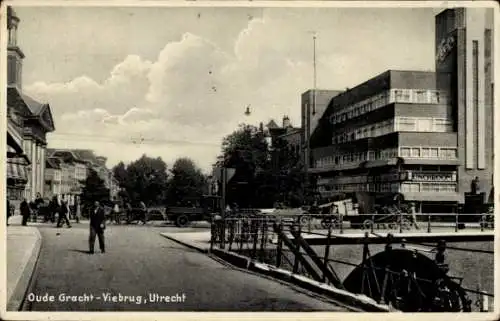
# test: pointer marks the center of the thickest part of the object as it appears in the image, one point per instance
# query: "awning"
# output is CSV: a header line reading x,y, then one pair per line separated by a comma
x,y
17,171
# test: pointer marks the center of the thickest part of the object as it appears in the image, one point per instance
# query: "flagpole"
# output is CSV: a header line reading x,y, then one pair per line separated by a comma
x,y
314,76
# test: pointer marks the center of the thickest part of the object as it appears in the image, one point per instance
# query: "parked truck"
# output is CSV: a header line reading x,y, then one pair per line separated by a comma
x,y
202,210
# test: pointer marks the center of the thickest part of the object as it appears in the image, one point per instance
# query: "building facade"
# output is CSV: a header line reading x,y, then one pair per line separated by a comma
x,y
464,65
423,136
381,139
36,117
53,178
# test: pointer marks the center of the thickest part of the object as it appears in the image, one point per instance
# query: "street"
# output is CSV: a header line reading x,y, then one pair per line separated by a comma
x,y
139,262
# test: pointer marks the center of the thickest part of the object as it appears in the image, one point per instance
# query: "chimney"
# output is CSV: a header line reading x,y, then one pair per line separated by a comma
x,y
286,122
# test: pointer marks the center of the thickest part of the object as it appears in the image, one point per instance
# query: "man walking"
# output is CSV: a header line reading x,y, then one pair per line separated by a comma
x,y
25,210
63,214
97,227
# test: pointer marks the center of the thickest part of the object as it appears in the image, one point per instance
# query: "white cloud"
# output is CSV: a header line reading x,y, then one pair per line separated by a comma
x,y
195,91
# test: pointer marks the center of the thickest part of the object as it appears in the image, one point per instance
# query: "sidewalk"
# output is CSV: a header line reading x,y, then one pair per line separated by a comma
x,y
23,248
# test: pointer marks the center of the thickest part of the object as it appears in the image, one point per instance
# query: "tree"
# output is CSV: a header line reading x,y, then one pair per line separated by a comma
x,y
246,150
289,168
94,189
120,173
187,183
143,180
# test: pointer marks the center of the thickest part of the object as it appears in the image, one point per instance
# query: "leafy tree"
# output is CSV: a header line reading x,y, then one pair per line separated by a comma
x,y
187,183
246,150
120,173
143,180
94,189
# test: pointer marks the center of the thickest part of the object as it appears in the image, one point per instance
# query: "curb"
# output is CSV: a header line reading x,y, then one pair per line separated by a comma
x,y
186,244
17,299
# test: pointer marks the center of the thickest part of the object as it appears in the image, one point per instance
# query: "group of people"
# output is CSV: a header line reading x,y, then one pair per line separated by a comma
x,y
31,210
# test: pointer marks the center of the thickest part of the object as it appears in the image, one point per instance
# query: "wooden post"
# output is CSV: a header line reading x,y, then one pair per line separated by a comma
x,y
327,251
373,222
279,251
456,222
297,253
428,223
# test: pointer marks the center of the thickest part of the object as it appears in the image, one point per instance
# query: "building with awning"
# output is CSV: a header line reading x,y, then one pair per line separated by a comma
x,y
29,121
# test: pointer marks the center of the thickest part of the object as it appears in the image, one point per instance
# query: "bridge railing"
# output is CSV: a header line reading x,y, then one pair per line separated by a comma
x,y
264,239
402,222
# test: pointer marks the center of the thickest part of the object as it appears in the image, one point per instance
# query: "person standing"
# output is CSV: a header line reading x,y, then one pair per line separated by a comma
x,y
53,208
474,186
63,214
78,210
8,211
25,210
97,227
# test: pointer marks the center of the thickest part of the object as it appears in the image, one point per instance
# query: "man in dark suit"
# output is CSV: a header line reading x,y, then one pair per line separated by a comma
x,y
97,226
25,211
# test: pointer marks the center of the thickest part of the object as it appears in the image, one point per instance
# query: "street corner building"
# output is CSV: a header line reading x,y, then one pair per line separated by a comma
x,y
28,122
421,136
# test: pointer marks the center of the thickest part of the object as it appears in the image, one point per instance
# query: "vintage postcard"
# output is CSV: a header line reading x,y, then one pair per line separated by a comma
x,y
184,159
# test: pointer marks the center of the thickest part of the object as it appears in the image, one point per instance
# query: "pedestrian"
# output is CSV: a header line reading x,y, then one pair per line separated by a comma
x,y
144,211
129,212
78,210
474,186
413,213
63,215
53,208
25,210
97,227
116,212
8,211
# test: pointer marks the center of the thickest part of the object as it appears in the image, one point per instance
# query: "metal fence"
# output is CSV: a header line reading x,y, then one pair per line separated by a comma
x,y
263,239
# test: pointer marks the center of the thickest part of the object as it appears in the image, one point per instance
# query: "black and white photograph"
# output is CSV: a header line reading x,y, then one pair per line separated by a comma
x,y
248,156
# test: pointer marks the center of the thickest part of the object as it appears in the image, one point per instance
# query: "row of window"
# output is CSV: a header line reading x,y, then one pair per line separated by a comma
x,y
390,188
445,153
370,187
415,96
420,176
429,187
448,153
348,158
397,124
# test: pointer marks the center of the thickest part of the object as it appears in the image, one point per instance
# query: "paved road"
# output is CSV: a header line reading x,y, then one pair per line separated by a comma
x,y
139,262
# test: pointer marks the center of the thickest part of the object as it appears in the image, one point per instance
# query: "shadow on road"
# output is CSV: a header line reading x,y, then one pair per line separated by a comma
x,y
79,251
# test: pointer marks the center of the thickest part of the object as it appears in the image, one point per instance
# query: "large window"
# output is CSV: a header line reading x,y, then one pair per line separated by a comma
x,y
421,96
449,153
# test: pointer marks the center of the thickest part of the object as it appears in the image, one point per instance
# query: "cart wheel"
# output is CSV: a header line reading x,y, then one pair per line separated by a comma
x,y
304,220
326,223
182,220
367,224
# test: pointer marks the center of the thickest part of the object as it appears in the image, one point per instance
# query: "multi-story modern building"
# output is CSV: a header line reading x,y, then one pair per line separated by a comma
x,y
313,106
464,67
35,118
421,135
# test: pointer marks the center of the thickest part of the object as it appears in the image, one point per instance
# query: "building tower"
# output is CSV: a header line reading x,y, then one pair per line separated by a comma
x,y
15,55
464,67
36,117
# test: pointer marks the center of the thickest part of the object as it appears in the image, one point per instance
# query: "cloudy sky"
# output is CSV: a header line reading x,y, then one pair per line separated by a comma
x,y
172,82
